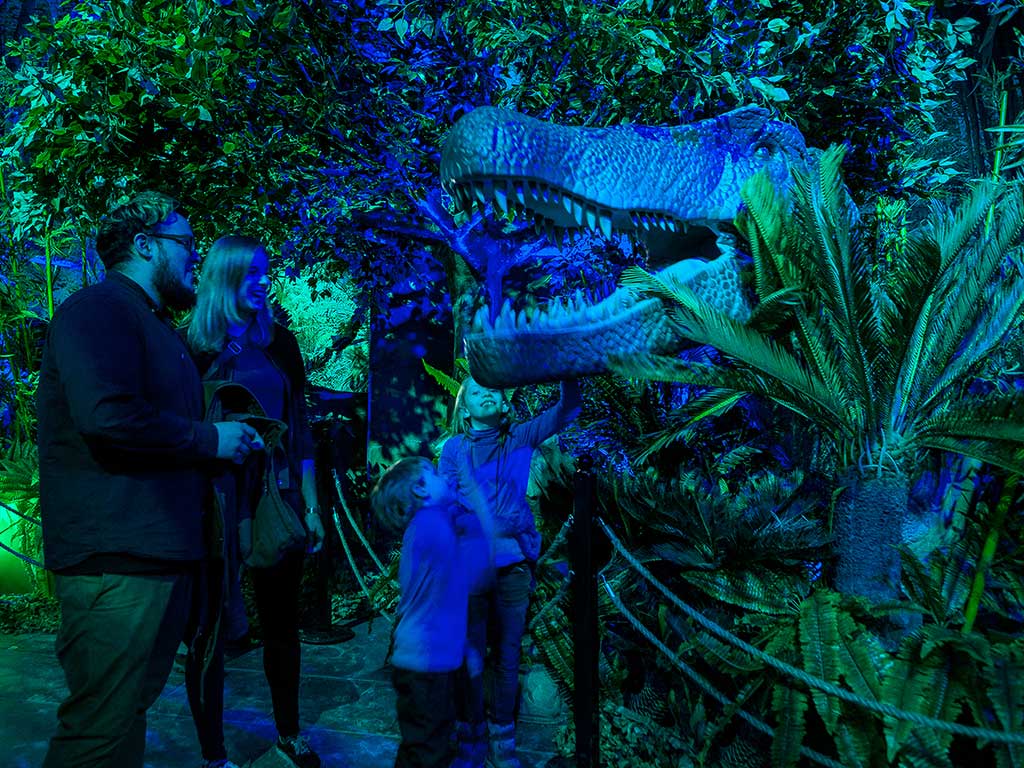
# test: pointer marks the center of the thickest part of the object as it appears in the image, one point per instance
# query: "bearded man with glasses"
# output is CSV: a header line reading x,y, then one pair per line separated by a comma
x,y
123,460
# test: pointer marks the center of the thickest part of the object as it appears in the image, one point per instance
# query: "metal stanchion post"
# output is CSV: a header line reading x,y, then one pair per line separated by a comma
x,y
585,634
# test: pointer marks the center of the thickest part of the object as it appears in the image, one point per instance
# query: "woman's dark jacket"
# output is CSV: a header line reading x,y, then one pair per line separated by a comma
x,y
283,352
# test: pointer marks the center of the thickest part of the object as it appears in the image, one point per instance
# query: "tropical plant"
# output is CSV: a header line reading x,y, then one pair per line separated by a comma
x,y
877,359
19,496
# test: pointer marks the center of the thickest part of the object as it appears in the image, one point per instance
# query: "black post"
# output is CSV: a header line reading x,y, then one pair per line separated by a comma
x,y
585,634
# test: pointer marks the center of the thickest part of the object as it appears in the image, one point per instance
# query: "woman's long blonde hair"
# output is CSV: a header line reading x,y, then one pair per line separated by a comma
x,y
224,268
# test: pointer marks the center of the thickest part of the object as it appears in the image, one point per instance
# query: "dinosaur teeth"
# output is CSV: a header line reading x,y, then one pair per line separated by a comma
x,y
577,212
478,192
551,232
567,204
591,214
605,220
519,192
501,198
479,322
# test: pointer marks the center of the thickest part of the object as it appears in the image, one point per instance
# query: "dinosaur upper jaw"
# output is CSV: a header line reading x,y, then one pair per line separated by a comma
x,y
627,179
556,211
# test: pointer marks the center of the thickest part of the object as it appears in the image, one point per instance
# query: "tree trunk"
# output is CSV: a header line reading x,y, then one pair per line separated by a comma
x,y
868,530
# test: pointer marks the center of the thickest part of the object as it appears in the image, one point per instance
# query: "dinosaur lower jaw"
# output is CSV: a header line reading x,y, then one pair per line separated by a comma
x,y
567,341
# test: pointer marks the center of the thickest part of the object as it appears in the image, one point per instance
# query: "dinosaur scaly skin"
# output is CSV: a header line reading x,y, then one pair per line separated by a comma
x,y
628,179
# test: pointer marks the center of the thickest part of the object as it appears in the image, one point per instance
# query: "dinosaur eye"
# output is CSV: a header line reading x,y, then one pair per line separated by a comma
x,y
764,151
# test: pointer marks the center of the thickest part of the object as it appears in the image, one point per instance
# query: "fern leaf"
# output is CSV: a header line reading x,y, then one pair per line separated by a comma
x,y
862,659
765,592
819,643
1006,694
857,740
923,685
450,385
789,706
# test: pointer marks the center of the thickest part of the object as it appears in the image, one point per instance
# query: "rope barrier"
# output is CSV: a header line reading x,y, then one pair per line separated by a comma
x,y
703,683
354,567
1006,737
352,522
555,600
17,554
559,539
348,550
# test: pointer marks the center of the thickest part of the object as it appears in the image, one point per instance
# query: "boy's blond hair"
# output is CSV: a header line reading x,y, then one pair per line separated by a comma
x,y
394,498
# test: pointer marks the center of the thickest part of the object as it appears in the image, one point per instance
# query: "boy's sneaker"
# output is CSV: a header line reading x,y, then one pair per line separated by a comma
x,y
298,752
225,763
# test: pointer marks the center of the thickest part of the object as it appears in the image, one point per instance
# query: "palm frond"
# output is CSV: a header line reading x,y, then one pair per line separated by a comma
x,y
953,230
996,417
1009,459
660,368
762,223
713,403
965,282
1003,314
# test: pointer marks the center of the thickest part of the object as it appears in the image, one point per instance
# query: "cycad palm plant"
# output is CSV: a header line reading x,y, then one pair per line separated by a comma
x,y
877,357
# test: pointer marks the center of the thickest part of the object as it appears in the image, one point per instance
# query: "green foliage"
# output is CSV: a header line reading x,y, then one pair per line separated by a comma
x,y
879,360
330,324
632,741
29,613
19,496
881,73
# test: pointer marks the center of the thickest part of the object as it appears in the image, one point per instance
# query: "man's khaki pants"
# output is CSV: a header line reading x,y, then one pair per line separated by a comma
x,y
117,640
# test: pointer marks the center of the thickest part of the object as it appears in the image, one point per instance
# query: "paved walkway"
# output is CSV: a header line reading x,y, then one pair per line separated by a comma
x,y
347,707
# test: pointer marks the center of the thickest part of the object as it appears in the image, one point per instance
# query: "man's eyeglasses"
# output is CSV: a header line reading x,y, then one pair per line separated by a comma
x,y
185,241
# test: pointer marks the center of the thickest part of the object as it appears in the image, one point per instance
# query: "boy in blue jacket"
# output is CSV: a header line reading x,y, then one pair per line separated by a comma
x,y
445,554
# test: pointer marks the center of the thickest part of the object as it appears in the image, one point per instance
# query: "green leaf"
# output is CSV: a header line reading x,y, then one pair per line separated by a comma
x,y
656,37
819,643
789,706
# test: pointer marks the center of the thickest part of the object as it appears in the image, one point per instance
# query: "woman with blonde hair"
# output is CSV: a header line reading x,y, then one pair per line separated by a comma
x,y
234,337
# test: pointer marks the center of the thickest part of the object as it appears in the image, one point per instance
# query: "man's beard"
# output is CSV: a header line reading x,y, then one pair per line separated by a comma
x,y
171,288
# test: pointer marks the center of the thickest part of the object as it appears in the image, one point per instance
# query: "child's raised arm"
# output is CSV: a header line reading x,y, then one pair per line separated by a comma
x,y
554,419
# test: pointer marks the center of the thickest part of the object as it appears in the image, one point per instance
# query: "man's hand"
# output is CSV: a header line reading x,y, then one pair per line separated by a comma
x,y
236,440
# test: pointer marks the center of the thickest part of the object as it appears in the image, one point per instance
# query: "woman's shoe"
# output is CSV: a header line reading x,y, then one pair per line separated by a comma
x,y
297,750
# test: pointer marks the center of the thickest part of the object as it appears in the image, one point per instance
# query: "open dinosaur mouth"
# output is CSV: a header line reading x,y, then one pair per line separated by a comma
x,y
580,333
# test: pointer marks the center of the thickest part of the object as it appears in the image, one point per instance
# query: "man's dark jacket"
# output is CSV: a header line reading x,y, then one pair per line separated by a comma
x,y
121,439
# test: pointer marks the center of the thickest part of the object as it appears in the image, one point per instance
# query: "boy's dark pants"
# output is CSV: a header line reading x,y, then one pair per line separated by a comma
x,y
117,640
426,715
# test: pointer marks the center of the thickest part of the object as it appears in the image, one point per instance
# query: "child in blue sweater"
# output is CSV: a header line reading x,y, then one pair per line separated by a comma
x,y
445,552
489,466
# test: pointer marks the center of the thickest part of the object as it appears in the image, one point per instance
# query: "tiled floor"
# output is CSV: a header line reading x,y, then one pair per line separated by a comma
x,y
347,708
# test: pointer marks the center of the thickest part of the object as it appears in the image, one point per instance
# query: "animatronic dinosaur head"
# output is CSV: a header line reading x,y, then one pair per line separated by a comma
x,y
630,179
